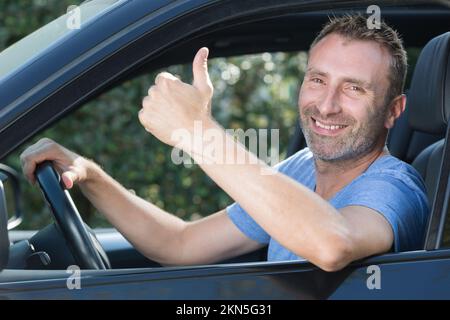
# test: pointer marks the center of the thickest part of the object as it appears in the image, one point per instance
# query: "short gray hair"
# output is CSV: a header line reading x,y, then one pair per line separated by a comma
x,y
354,27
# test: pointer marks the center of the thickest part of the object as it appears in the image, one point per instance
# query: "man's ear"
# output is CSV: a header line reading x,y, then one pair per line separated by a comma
x,y
395,110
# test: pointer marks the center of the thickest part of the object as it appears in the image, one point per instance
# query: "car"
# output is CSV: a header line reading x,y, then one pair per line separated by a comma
x,y
119,40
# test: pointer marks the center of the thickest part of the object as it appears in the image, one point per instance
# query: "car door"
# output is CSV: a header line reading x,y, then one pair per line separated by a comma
x,y
145,34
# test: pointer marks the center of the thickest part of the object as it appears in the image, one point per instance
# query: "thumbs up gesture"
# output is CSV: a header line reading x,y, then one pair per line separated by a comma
x,y
201,76
174,105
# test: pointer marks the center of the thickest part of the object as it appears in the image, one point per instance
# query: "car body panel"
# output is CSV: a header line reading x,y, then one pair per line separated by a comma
x,y
412,275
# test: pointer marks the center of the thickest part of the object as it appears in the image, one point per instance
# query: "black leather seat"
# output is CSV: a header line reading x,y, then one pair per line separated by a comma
x,y
429,106
429,109
404,142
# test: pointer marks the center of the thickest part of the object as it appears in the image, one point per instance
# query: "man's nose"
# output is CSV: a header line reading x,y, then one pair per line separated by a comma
x,y
329,102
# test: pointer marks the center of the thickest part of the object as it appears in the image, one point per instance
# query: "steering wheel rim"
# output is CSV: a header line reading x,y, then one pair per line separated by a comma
x,y
67,218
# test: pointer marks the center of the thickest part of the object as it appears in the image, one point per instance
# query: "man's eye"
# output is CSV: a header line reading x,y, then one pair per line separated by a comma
x,y
356,88
316,80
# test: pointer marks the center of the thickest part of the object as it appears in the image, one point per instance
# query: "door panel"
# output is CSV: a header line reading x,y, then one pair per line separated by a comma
x,y
423,275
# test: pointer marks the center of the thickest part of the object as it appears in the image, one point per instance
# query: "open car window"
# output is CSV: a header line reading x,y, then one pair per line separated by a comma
x,y
252,92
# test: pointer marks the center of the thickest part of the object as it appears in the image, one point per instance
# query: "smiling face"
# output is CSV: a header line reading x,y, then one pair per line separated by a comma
x,y
342,98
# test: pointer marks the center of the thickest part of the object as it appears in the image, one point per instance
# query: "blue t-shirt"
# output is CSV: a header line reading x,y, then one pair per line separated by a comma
x,y
390,186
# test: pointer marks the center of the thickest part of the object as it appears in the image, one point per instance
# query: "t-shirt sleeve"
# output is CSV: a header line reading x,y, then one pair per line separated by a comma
x,y
400,199
246,224
244,221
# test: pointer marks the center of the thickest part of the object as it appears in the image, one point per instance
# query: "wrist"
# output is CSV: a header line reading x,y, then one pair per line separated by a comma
x,y
92,172
207,142
202,134
192,136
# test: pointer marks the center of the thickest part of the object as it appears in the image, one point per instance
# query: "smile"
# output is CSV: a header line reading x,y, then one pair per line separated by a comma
x,y
327,129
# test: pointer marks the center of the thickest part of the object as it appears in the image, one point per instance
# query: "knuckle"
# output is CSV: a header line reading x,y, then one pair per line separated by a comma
x,y
24,158
45,141
141,117
151,90
165,78
145,104
160,77
165,74
51,147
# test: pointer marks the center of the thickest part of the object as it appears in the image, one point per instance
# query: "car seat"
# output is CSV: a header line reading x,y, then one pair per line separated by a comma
x,y
429,108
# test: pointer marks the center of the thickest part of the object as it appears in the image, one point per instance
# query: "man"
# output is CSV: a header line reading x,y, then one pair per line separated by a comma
x,y
342,199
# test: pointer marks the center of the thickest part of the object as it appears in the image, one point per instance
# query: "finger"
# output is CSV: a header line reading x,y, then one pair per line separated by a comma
x,y
141,116
30,163
69,178
163,77
146,102
31,157
151,90
200,71
33,148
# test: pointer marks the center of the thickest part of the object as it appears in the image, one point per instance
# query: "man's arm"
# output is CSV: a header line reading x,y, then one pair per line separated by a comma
x,y
295,216
170,241
369,230
160,235
299,219
157,234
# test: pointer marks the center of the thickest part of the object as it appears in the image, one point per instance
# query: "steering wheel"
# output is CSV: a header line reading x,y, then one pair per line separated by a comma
x,y
84,247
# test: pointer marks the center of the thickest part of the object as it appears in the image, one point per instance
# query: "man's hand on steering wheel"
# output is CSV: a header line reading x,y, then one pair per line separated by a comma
x,y
72,167
38,162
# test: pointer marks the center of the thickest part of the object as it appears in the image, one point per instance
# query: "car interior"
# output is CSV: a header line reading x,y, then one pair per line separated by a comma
x,y
418,137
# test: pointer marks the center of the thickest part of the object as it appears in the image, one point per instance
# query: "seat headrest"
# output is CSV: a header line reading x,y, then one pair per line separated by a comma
x,y
429,94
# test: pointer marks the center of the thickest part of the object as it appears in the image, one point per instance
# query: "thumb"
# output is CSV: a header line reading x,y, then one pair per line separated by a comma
x,y
69,178
200,72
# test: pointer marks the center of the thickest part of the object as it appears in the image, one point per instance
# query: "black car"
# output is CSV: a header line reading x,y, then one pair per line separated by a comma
x,y
54,73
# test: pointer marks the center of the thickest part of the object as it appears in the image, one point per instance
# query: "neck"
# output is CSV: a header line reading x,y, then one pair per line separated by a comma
x,y
333,176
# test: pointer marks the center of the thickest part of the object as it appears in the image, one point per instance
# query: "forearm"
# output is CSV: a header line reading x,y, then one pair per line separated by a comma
x,y
153,231
295,216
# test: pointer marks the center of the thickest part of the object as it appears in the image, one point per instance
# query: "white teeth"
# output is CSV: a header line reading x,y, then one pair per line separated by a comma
x,y
321,125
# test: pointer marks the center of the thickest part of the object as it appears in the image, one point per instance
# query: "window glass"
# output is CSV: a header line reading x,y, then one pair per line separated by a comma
x,y
38,41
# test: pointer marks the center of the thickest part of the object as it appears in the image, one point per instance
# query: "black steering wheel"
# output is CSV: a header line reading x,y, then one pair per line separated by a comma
x,y
85,249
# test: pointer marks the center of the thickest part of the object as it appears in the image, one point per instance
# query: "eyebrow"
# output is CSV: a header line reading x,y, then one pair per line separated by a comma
x,y
358,82
311,71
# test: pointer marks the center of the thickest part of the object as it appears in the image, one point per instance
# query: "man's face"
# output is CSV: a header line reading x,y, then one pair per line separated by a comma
x,y
342,98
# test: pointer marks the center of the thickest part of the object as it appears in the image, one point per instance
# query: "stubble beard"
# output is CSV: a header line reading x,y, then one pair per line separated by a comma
x,y
357,140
